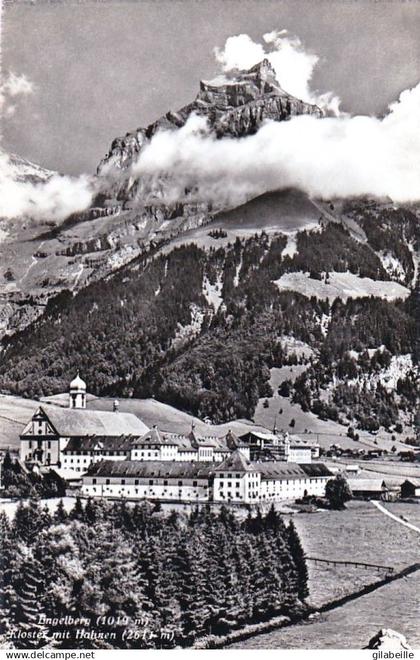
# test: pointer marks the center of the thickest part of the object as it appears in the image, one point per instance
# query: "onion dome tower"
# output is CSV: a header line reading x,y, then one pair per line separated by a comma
x,y
77,398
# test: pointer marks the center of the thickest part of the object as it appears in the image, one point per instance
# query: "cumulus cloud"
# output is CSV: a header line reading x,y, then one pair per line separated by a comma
x,y
293,64
328,157
26,193
17,84
13,85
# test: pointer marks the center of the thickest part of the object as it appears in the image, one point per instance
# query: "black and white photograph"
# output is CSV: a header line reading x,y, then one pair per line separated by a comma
x,y
209,327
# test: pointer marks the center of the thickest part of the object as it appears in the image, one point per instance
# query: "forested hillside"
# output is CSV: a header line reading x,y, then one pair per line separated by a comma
x,y
132,577
201,328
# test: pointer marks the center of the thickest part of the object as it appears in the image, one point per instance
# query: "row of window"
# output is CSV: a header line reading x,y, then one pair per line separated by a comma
x,y
109,452
148,493
152,482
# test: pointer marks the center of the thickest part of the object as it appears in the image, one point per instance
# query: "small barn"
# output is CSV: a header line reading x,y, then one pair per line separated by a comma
x,y
410,488
369,489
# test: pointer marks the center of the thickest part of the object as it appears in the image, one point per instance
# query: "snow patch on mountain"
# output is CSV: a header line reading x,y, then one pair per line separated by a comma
x,y
291,246
416,258
22,169
341,285
399,367
237,273
325,323
186,332
213,292
292,345
122,256
392,265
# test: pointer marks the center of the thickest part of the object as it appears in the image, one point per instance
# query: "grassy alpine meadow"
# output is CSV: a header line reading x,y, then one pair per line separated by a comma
x,y
359,533
352,626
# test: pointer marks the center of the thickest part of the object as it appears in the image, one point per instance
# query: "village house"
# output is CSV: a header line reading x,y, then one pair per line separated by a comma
x,y
374,488
279,446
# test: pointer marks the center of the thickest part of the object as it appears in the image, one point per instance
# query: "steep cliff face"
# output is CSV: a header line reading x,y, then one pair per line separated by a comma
x,y
234,105
39,259
132,214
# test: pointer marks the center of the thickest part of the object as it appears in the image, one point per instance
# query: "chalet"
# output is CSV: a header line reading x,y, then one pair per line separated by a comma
x,y
410,488
283,447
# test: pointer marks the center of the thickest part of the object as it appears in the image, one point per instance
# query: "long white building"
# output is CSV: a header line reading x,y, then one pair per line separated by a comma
x,y
236,480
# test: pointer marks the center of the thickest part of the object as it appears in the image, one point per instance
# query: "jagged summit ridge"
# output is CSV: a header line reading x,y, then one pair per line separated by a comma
x,y
240,87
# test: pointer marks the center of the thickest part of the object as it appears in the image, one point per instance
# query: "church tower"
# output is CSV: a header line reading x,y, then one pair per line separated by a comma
x,y
77,397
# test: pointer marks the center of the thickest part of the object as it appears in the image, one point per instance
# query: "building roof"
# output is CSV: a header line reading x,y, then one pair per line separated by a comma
x,y
366,485
186,443
280,439
233,441
155,437
260,435
290,471
236,462
297,441
78,384
316,469
412,481
161,469
104,443
80,422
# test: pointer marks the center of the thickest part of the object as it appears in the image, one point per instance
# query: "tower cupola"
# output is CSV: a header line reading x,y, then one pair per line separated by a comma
x,y
77,397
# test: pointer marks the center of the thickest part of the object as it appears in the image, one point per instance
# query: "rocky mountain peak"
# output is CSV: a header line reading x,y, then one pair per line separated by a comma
x,y
237,88
235,104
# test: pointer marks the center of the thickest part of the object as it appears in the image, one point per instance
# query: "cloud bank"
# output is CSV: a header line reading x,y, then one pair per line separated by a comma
x,y
28,191
330,157
294,65
39,195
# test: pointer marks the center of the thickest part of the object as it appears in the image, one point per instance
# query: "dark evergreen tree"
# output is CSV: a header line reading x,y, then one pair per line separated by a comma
x,y
298,556
28,608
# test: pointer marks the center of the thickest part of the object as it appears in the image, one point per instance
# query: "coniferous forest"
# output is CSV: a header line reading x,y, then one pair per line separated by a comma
x,y
113,576
152,330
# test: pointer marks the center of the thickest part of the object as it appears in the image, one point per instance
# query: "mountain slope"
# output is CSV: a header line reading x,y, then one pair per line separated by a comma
x,y
129,215
198,325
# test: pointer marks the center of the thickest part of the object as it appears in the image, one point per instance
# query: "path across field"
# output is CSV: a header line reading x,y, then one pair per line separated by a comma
x,y
396,518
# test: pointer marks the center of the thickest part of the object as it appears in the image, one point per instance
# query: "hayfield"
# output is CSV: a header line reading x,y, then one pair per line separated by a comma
x,y
360,533
351,626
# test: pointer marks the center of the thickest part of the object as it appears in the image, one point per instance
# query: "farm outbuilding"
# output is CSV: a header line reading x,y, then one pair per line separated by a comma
x,y
369,489
410,488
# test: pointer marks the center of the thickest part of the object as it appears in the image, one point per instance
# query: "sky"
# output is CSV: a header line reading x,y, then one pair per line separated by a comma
x,y
96,70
